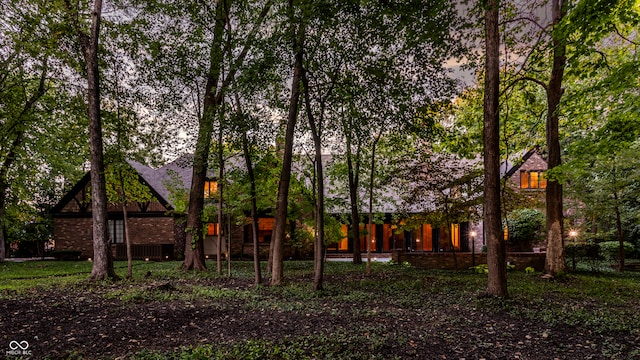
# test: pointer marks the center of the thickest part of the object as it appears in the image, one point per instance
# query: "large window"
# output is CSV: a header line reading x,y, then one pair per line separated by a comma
x,y
455,236
343,244
532,179
210,189
265,230
212,229
364,237
422,238
116,231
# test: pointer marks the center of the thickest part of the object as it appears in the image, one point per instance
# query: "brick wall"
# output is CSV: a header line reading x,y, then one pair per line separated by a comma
x,y
77,233
446,261
74,234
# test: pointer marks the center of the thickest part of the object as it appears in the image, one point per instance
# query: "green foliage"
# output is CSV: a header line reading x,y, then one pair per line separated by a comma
x,y
611,249
525,225
332,230
484,268
122,176
480,269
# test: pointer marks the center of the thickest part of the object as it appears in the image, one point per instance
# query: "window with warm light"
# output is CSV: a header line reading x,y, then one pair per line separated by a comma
x,y
210,189
455,236
343,244
532,179
212,229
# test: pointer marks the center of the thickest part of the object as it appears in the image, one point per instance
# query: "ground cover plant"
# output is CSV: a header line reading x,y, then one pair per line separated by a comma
x,y
398,312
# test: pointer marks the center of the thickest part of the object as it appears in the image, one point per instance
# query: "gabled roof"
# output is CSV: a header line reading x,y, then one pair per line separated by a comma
x,y
510,166
157,178
71,193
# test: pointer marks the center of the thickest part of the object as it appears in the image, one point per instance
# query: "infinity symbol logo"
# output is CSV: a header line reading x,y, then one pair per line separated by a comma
x,y
22,345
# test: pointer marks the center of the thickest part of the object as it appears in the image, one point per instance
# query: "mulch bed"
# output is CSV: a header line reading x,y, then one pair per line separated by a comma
x,y
79,321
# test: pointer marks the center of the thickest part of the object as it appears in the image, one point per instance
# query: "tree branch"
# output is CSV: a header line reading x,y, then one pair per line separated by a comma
x,y
524,78
624,37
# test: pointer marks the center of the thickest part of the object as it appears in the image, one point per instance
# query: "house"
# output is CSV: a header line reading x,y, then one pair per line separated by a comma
x,y
157,226
525,175
156,230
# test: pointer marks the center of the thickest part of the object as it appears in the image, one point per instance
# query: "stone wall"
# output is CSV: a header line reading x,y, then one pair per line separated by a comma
x,y
447,261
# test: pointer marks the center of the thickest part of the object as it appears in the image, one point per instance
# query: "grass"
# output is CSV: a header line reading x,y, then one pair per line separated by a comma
x,y
604,302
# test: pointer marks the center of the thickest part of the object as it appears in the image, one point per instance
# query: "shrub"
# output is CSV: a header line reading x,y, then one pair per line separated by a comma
x,y
588,250
525,226
611,249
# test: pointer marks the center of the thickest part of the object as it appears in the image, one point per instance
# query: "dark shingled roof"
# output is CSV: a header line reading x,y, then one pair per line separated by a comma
x,y
158,178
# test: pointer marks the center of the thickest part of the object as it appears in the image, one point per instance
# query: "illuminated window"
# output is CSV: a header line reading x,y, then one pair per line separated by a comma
x,y
364,236
212,229
210,189
343,244
532,180
455,236
265,229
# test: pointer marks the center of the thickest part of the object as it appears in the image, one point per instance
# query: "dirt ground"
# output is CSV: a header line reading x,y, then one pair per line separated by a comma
x,y
80,321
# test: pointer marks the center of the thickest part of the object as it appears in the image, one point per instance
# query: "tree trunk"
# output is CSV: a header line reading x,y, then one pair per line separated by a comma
x,y
125,224
194,247
102,257
254,210
4,186
280,224
220,201
3,242
353,198
619,232
370,230
316,132
555,262
496,254
11,154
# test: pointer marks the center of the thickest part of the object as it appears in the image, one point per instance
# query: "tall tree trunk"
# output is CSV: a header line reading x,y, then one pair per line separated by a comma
x,y
4,186
10,156
194,247
220,201
619,232
125,224
279,228
555,262
371,178
496,253
3,241
316,132
370,230
102,257
254,207
353,175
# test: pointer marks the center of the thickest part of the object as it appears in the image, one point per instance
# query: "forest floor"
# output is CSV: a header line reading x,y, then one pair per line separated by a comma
x,y
398,312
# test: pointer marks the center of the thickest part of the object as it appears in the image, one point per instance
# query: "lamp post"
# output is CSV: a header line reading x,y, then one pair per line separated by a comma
x,y
473,247
573,234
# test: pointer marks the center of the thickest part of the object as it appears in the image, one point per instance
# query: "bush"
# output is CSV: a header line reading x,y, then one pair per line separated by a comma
x,y
588,253
588,250
525,226
66,255
611,249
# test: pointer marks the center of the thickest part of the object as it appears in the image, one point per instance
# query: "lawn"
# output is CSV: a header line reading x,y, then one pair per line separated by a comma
x,y
398,312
